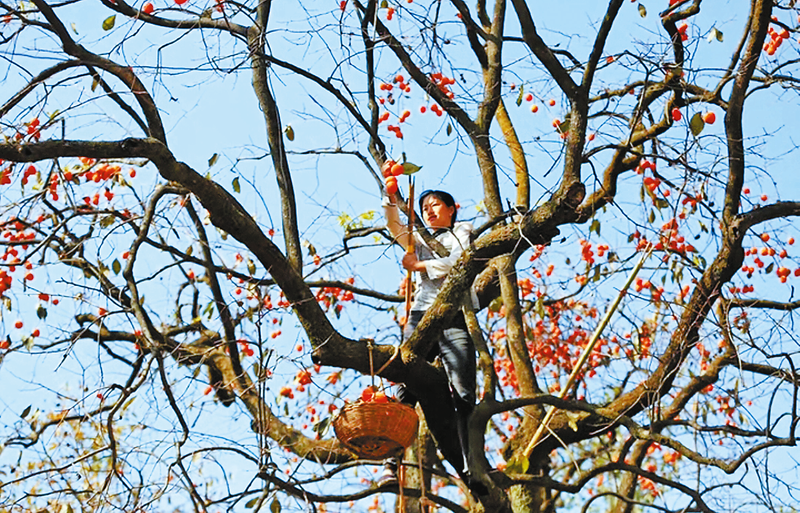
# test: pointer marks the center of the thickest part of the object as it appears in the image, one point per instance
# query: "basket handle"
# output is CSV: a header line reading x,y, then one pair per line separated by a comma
x,y
371,369
372,372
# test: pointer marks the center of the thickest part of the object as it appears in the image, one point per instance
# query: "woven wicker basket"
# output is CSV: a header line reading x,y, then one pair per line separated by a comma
x,y
376,430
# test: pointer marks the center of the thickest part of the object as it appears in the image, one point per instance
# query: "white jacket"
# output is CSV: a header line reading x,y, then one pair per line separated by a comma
x,y
428,283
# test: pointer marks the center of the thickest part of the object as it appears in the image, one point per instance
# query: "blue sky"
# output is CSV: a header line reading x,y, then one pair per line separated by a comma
x,y
210,112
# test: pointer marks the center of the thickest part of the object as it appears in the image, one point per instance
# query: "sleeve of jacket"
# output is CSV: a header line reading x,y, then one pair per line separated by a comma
x,y
459,240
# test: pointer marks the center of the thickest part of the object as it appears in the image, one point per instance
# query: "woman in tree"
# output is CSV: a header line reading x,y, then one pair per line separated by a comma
x,y
454,347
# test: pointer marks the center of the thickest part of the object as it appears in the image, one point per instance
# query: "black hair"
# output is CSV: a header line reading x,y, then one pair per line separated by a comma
x,y
445,197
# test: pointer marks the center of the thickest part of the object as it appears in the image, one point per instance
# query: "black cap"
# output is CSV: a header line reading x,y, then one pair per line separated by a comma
x,y
446,197
442,195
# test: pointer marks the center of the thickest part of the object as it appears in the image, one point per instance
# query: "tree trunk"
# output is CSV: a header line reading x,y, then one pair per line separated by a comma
x,y
424,447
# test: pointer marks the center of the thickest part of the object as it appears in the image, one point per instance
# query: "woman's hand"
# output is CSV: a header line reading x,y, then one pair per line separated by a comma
x,y
386,167
411,263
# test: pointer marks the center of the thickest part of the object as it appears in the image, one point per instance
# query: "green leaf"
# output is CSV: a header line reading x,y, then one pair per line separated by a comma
x,y
289,132
769,268
95,83
572,419
128,403
322,426
384,4
519,96
213,160
642,11
699,261
496,304
28,342
563,127
652,217
275,507
208,311
25,412
108,23
251,503
116,266
713,34
540,307
236,187
410,169
661,203
107,221
345,220
311,249
595,226
41,312
696,124
518,465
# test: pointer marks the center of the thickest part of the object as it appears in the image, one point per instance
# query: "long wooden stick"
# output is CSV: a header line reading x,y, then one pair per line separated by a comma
x,y
410,247
585,355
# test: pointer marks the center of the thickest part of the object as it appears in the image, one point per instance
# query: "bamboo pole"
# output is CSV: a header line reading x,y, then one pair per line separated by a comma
x,y
410,247
585,355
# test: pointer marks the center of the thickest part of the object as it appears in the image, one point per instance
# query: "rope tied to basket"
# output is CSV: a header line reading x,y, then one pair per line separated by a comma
x,y
370,345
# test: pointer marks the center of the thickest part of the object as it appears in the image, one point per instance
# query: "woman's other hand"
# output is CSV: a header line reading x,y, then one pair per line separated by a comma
x,y
411,263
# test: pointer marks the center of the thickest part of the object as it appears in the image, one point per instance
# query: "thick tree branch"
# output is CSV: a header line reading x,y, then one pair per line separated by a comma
x,y
543,52
256,40
511,139
769,212
760,14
